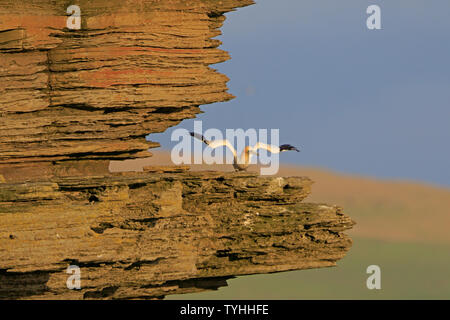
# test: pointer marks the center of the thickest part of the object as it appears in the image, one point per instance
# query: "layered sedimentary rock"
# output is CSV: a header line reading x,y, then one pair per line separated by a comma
x,y
159,233
73,100
135,67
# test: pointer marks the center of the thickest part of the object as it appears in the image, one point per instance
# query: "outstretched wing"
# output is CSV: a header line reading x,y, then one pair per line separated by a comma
x,y
215,143
219,143
199,137
272,148
269,147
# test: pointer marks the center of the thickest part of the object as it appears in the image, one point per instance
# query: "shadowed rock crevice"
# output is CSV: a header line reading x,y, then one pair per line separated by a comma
x,y
20,285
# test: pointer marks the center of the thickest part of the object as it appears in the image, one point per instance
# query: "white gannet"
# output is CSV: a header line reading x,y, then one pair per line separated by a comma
x,y
242,163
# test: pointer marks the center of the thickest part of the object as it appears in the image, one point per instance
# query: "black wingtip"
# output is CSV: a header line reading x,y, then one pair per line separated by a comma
x,y
288,147
199,136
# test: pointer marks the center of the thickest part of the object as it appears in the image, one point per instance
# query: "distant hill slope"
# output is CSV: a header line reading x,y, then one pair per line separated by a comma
x,y
383,209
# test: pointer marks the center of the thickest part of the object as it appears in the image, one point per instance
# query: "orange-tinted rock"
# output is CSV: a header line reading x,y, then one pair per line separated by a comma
x,y
134,68
152,234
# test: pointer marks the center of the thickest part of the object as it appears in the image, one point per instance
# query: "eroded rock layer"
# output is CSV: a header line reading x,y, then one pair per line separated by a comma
x,y
146,235
135,67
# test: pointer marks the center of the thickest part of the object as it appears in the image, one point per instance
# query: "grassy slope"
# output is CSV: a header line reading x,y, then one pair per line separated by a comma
x,y
408,271
401,226
383,209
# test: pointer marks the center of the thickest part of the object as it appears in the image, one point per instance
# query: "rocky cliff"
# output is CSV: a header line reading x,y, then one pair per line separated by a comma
x,y
73,100
136,67
160,233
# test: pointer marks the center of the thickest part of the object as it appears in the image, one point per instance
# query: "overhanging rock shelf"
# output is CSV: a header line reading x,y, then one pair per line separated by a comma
x,y
153,234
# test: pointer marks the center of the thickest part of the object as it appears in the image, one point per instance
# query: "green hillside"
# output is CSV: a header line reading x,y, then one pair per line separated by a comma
x,y
408,271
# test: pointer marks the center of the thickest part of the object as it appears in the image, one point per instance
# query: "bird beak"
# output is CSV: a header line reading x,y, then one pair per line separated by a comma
x,y
254,152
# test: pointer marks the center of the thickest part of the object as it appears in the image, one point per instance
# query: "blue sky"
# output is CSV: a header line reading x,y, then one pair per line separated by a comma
x,y
371,102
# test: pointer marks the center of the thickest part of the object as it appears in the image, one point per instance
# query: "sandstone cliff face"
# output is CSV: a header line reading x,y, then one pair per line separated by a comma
x,y
71,101
136,67
160,233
